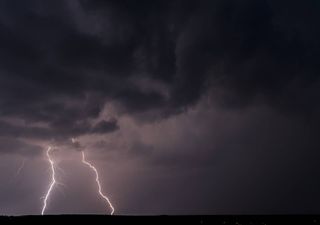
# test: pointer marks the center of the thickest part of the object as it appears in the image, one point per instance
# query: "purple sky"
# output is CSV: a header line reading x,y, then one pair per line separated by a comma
x,y
184,107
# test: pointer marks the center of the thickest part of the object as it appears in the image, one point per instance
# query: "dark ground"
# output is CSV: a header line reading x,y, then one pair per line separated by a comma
x,y
214,220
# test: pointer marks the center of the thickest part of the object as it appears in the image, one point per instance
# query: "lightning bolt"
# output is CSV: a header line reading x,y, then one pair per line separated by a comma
x,y
98,182
19,170
20,167
53,181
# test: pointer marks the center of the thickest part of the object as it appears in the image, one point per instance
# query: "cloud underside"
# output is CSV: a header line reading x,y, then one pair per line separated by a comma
x,y
63,63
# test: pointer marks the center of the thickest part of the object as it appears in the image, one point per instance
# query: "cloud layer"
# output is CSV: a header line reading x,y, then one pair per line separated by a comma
x,y
62,62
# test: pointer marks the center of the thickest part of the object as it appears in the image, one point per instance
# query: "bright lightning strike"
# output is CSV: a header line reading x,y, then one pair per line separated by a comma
x,y
98,182
53,181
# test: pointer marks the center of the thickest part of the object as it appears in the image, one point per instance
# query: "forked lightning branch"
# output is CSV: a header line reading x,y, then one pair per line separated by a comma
x,y
53,182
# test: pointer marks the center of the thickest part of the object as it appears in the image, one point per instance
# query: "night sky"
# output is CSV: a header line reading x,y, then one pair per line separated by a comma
x,y
184,107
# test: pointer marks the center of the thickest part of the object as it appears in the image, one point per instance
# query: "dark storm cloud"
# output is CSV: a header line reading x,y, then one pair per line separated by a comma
x,y
105,127
56,132
61,62
247,49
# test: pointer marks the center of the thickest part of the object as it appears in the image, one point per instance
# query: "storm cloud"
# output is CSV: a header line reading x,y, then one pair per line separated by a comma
x,y
61,62
209,89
